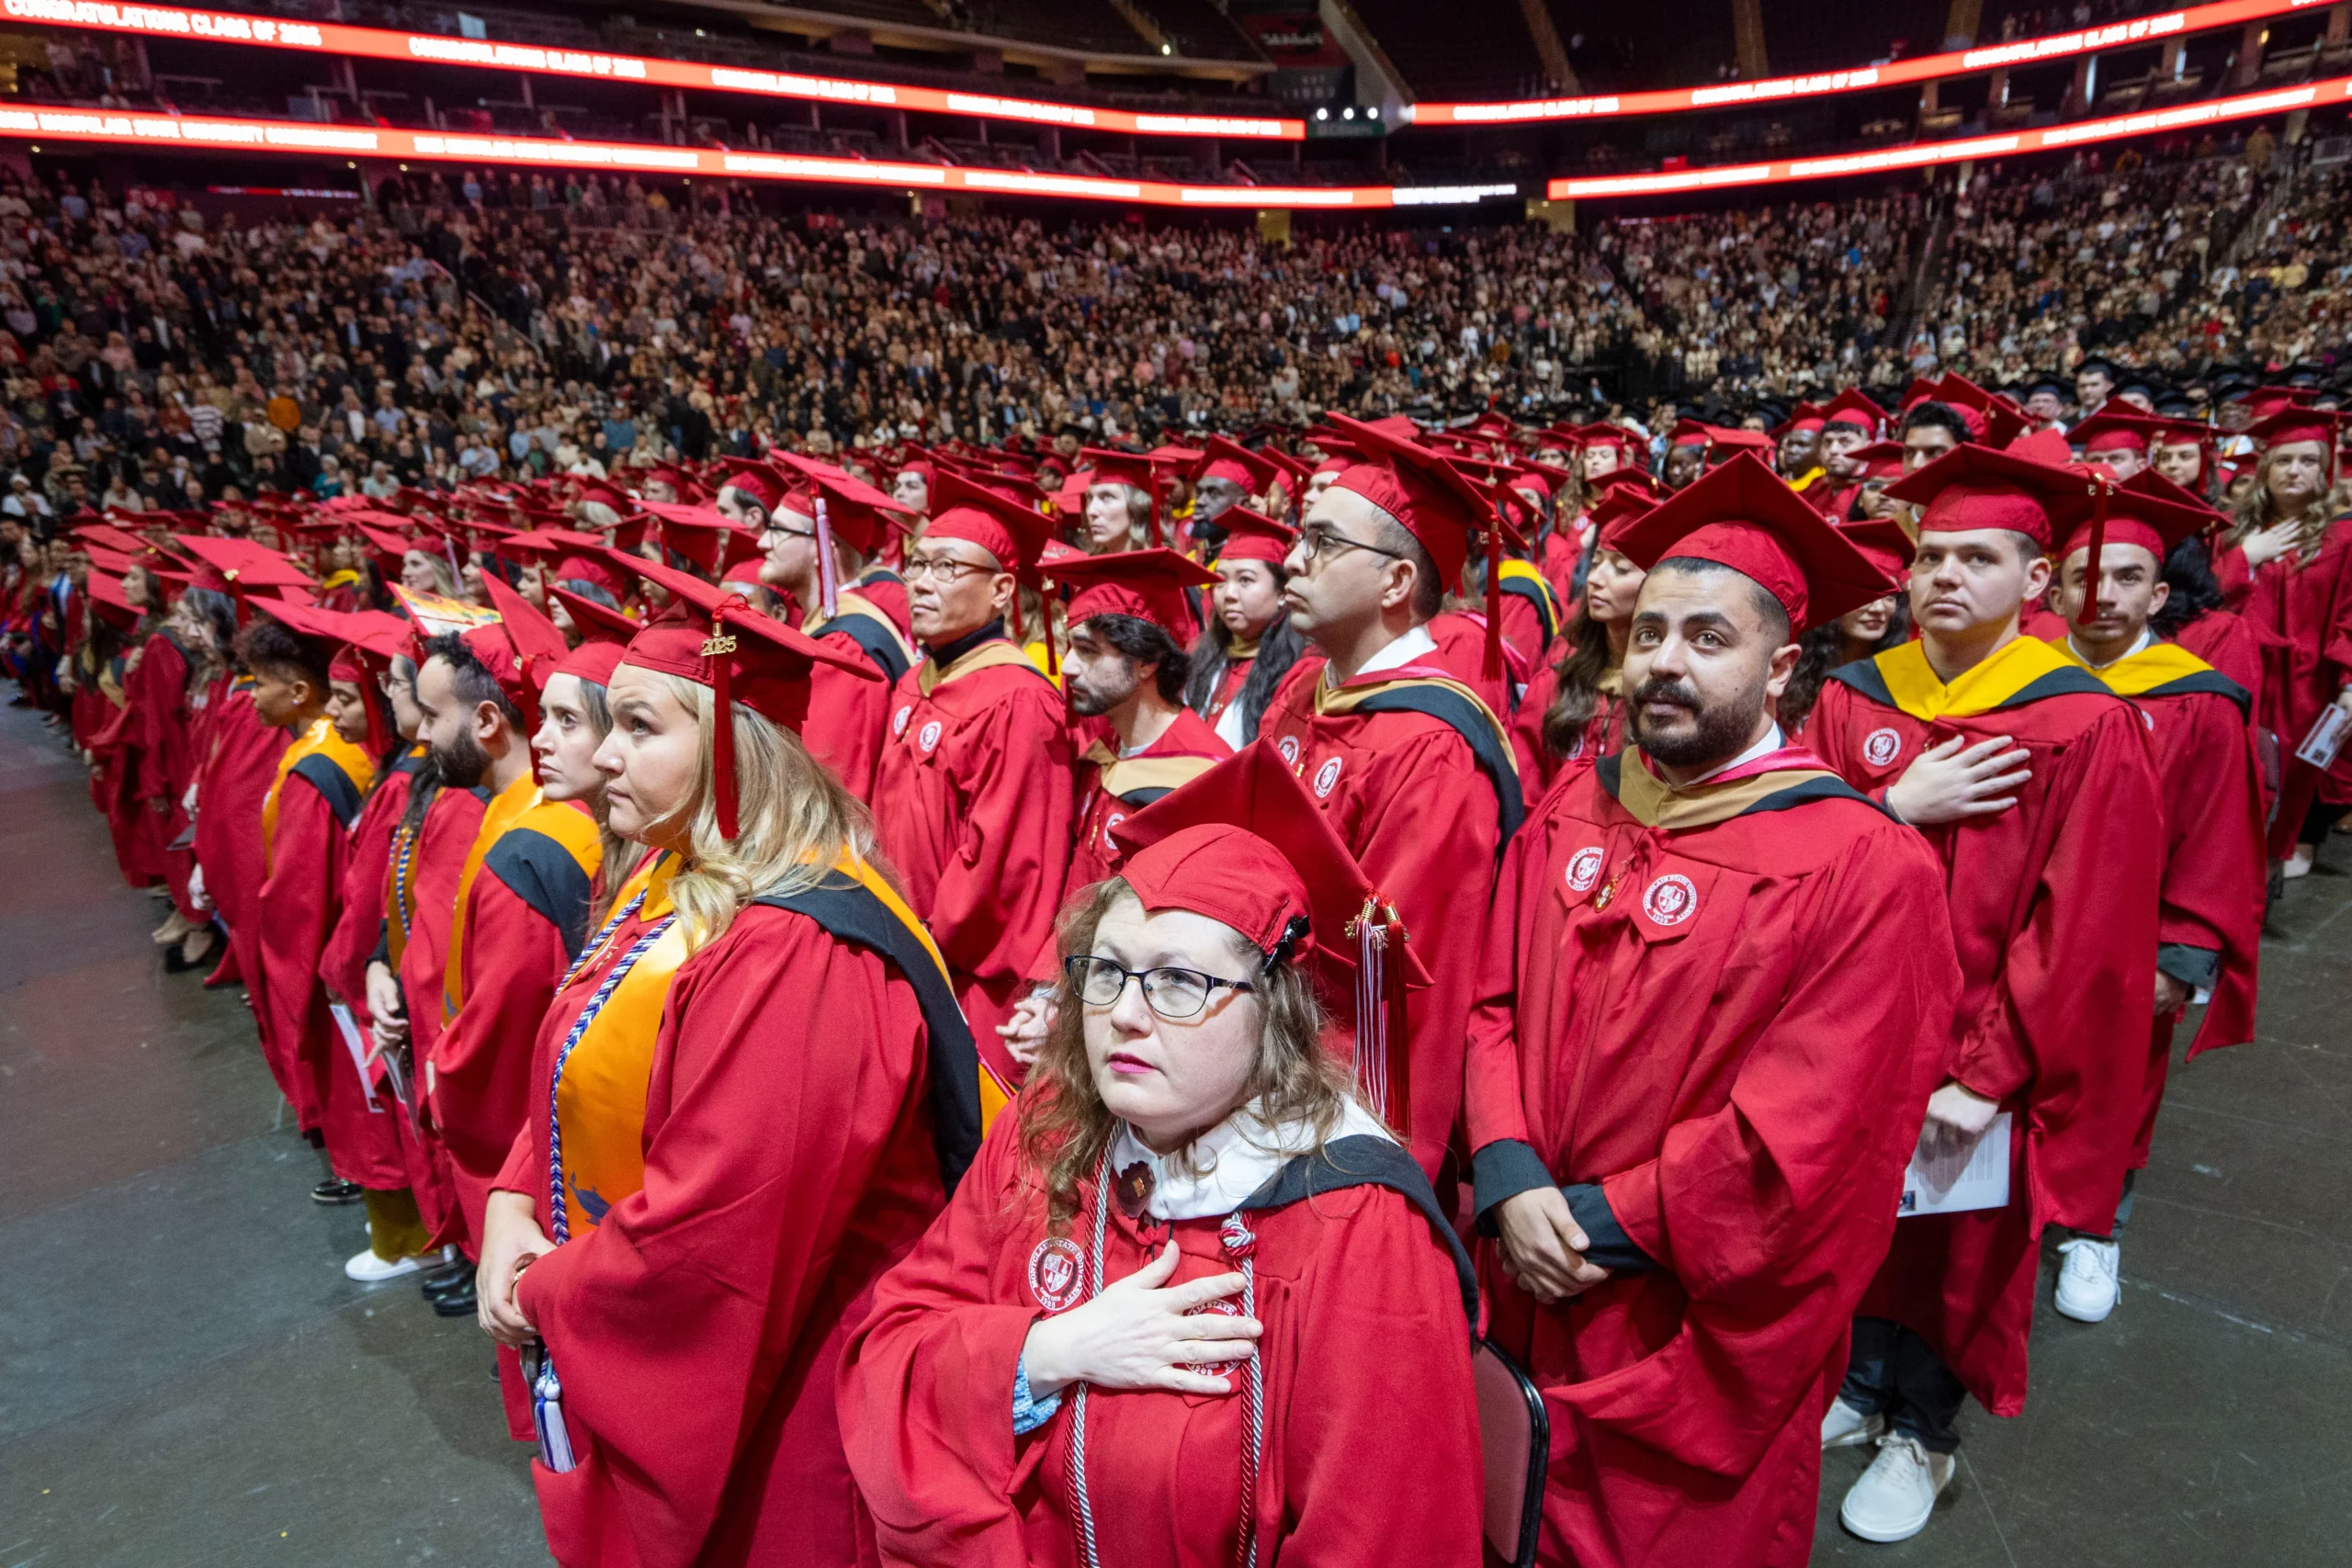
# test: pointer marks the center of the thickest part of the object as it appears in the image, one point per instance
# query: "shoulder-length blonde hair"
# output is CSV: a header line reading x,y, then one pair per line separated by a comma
x,y
1063,1125
794,820
2311,521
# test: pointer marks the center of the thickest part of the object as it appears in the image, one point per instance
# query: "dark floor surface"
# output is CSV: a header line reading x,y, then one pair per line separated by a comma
x,y
185,1377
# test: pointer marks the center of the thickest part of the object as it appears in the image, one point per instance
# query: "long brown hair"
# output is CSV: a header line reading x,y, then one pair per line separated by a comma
x,y
1577,695
2253,511
1065,1126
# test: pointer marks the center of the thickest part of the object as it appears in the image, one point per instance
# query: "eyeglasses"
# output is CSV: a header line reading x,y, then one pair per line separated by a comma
x,y
1322,537
947,572
787,532
1173,993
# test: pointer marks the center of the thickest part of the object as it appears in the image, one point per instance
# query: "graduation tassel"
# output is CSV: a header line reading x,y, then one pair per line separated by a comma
x,y
2089,611
1380,1021
829,578
1494,594
716,647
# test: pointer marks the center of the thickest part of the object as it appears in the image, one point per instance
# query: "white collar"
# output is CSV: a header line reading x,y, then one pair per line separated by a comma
x,y
2147,640
1413,646
1772,741
1240,1154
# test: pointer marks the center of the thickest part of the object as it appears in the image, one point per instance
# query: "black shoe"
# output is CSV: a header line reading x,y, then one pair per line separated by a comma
x,y
459,1302
335,1191
455,1277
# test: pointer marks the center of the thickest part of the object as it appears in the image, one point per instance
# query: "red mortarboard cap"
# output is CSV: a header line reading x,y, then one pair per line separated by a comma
x,y
1741,515
1527,477
1852,407
2109,432
758,480
606,492
1889,546
677,478
1635,480
1147,584
2149,483
104,559
703,535
1615,513
1804,416
1011,530
1223,459
592,569
1244,844
1136,471
2293,424
592,661
593,621
538,645
1880,459
1974,486
1253,535
1995,420
1435,501
744,657
107,597
852,508
2131,516
243,564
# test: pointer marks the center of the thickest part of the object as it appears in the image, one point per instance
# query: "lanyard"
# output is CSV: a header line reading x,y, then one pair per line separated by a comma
x,y
1241,1243
558,1221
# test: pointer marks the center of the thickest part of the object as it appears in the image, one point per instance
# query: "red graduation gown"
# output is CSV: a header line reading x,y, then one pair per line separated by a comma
x,y
358,926
240,760
1111,787
451,820
526,886
308,820
1371,1450
1726,1007
698,1325
2053,912
2215,878
1407,792
848,718
2302,613
973,808
1604,732
159,731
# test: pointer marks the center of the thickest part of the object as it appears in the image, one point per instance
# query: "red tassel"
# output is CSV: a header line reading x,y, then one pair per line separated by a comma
x,y
2089,611
1493,596
716,647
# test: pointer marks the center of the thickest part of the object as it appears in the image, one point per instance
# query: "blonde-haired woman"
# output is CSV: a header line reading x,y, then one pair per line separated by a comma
x,y
750,1095
1195,1303
2286,566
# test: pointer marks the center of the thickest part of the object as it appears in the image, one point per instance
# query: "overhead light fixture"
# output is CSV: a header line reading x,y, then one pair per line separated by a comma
x,y
1348,113
1166,48
1374,112
1319,114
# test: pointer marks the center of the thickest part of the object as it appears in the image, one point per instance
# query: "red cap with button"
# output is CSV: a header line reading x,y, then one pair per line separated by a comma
x,y
1147,584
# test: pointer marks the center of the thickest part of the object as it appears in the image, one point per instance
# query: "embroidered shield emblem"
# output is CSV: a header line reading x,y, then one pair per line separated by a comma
x,y
899,719
1057,1273
930,736
1583,868
1880,747
1326,776
1670,900
1288,747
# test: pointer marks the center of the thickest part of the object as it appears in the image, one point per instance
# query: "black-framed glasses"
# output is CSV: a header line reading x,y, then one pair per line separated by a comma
x,y
1173,993
775,527
1321,537
947,572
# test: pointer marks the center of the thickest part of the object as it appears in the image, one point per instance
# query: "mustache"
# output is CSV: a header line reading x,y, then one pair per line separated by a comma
x,y
1663,689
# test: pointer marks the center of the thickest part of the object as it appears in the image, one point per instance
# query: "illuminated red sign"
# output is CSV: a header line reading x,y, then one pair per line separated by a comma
x,y
378,43
1928,68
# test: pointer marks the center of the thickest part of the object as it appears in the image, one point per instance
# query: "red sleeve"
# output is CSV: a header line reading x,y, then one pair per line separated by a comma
x,y
2216,871
481,1062
785,1063
298,905
1493,1107
1772,1212
1381,1340
1000,889
2235,576
1430,840
2078,975
926,1391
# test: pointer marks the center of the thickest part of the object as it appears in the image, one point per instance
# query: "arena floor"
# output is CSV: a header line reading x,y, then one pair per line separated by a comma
x,y
185,1377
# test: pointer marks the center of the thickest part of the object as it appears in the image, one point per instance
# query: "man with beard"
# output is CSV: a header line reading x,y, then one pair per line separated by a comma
x,y
1129,627
1415,772
1716,988
521,910
2031,783
1800,447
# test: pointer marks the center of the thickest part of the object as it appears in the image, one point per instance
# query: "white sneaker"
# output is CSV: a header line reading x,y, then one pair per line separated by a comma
x,y
370,1269
1847,1428
1896,1495
2299,864
2091,1280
